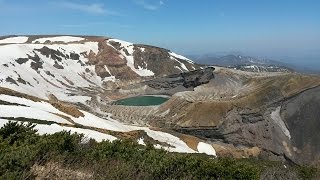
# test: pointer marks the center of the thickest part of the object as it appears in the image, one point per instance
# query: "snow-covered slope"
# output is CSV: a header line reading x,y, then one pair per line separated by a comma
x,y
51,120
23,68
64,39
53,128
75,68
17,40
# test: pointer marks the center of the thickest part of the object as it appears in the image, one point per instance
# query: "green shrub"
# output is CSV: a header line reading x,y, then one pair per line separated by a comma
x,y
21,148
305,172
15,131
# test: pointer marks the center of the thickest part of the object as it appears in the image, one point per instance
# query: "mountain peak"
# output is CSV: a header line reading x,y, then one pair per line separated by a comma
x,y
51,64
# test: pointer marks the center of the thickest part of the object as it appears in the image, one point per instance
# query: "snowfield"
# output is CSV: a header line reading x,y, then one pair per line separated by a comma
x,y
61,75
46,112
54,128
65,39
206,148
30,113
41,83
113,125
44,106
15,40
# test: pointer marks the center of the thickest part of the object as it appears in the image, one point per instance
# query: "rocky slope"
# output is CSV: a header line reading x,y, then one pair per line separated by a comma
x,y
275,112
76,68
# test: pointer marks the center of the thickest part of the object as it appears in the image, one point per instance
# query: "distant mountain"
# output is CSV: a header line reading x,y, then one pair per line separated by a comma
x,y
249,63
245,63
305,64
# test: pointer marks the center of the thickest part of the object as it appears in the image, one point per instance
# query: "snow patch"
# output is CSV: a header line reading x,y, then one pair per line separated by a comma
x,y
178,144
108,123
65,39
181,57
113,125
141,141
14,40
30,113
206,148
165,113
54,128
77,99
183,66
44,106
275,115
253,67
177,67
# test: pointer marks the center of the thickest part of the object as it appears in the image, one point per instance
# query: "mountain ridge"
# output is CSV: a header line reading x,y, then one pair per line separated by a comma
x,y
283,62
96,61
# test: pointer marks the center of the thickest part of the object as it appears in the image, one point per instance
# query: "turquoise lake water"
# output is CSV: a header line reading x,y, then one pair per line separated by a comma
x,y
141,101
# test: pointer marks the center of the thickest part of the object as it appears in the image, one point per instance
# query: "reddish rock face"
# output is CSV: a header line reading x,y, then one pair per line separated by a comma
x,y
110,57
110,62
159,61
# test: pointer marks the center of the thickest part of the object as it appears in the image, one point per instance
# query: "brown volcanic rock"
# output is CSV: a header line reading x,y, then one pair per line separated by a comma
x,y
109,56
113,60
124,73
257,93
245,119
101,71
91,57
53,54
157,60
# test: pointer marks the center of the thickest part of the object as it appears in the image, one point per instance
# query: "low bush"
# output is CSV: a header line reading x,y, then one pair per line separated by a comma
x,y
22,149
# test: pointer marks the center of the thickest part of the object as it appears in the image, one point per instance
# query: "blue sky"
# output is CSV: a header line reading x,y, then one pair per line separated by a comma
x,y
274,28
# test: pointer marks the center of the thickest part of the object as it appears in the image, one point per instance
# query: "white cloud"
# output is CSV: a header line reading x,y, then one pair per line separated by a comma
x,y
150,4
88,8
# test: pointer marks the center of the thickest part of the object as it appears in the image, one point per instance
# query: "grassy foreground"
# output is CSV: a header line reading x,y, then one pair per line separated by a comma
x,y
26,155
